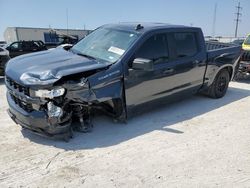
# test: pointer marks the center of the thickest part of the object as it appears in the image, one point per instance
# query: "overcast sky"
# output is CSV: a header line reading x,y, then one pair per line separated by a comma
x,y
93,13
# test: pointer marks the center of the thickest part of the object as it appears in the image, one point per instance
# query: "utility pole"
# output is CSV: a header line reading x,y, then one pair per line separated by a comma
x,y
238,15
214,20
67,14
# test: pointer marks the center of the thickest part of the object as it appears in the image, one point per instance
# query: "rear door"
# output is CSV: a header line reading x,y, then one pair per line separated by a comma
x,y
189,59
26,47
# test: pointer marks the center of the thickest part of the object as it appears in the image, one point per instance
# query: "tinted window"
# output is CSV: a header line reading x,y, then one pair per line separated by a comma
x,y
185,44
16,46
26,46
155,48
34,45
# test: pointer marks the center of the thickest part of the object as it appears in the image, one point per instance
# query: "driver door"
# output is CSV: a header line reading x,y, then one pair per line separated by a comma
x,y
145,85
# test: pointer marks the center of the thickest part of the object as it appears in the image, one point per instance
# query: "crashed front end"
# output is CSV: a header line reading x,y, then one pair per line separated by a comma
x,y
62,105
49,91
37,113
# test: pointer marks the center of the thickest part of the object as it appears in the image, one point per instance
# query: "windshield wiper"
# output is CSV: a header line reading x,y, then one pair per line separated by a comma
x,y
85,55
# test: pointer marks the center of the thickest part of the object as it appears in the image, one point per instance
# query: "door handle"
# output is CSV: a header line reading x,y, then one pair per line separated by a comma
x,y
168,71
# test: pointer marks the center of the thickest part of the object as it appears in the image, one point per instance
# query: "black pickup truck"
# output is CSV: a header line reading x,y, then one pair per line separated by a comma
x,y
24,47
115,69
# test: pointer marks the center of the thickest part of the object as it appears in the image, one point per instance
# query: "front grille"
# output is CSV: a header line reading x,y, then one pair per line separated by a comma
x,y
18,87
24,105
245,56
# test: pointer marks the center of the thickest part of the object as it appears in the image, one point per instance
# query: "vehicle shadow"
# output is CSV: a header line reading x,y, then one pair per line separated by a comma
x,y
107,133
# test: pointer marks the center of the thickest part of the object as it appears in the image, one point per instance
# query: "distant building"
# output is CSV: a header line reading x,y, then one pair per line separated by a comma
x,y
47,35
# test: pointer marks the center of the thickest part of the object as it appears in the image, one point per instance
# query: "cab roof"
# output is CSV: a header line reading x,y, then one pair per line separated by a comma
x,y
143,27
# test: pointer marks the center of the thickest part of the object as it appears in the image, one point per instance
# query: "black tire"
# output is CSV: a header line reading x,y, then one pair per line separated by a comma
x,y
219,87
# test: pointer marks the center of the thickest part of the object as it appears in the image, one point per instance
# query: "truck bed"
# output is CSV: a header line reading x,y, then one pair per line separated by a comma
x,y
215,49
218,45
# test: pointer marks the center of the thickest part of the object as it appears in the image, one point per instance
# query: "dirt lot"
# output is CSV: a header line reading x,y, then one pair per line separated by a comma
x,y
199,142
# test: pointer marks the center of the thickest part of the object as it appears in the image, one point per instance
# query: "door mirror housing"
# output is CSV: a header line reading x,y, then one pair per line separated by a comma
x,y
143,64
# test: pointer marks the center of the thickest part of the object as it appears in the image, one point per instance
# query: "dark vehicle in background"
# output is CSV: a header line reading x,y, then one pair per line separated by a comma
x,y
25,47
4,58
117,69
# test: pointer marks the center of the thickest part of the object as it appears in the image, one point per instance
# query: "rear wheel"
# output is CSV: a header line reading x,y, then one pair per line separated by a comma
x,y
219,87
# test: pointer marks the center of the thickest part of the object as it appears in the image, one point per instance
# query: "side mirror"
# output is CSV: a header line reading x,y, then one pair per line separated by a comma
x,y
143,64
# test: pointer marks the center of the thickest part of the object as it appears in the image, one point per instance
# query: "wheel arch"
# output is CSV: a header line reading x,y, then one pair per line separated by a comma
x,y
227,67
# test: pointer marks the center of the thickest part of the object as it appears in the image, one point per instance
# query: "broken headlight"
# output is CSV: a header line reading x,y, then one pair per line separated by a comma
x,y
53,110
50,93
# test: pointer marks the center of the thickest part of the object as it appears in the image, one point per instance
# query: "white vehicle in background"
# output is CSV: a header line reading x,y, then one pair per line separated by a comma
x,y
65,46
3,51
4,58
3,43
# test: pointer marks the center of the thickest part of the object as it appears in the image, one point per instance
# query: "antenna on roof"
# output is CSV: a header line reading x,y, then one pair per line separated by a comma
x,y
138,27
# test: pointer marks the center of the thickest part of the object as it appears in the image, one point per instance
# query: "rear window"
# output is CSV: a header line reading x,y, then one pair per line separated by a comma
x,y
186,44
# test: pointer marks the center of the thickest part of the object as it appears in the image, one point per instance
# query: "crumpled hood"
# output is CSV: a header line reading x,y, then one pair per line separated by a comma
x,y
46,67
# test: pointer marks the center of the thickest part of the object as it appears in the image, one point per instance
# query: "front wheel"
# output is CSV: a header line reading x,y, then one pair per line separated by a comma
x,y
219,87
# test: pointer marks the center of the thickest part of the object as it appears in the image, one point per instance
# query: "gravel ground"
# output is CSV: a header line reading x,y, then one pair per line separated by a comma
x,y
198,142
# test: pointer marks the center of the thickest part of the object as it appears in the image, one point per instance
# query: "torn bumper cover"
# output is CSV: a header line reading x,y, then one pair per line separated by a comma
x,y
37,121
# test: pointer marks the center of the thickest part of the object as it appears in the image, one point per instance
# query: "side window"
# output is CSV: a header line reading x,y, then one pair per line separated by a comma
x,y
155,48
186,44
26,46
16,46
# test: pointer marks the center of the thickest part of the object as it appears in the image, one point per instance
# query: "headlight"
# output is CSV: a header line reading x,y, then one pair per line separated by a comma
x,y
53,110
50,93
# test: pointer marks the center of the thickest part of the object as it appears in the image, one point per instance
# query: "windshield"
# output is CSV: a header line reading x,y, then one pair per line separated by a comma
x,y
105,44
247,41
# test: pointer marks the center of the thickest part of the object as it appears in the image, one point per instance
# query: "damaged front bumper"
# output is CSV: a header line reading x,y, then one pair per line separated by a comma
x,y
55,109
38,121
